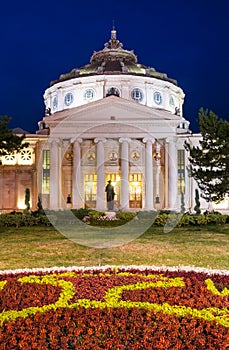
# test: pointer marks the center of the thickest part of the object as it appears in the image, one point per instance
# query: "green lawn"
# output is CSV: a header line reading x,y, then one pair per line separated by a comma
x,y
206,246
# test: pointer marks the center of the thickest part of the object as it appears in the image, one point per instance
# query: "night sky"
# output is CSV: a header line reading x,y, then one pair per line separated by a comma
x,y
187,39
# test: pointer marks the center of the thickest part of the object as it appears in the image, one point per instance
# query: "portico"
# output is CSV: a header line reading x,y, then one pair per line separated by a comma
x,y
137,168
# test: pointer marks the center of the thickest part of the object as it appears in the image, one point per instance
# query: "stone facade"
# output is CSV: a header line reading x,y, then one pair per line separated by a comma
x,y
113,119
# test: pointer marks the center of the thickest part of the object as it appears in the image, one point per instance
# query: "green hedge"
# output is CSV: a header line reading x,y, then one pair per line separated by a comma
x,y
191,219
96,218
80,213
125,216
23,219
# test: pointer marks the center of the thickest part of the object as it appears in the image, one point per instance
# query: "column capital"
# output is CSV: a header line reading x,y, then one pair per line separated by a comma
x,y
52,141
76,139
100,139
170,139
149,140
124,139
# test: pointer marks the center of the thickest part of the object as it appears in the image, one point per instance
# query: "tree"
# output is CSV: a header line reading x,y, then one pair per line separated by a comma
x,y
27,198
9,142
209,162
39,205
197,201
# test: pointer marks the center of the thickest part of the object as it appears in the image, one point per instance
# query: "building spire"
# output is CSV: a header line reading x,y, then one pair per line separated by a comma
x,y
113,51
113,32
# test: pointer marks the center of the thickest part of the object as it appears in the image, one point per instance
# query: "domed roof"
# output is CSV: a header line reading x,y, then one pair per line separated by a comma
x,y
113,59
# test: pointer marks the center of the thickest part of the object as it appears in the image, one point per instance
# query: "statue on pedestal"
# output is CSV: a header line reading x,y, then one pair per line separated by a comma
x,y
110,195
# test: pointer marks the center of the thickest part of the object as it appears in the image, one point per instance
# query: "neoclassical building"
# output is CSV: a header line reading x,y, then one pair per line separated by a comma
x,y
112,119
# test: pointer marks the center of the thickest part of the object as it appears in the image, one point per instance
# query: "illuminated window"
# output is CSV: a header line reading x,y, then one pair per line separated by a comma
x,y
113,177
181,170
46,172
90,188
90,177
25,157
135,177
135,190
9,159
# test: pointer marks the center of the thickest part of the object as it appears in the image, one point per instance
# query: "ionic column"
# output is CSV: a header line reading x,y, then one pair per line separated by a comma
x,y
158,171
77,200
62,200
54,175
100,196
166,184
124,193
172,174
149,173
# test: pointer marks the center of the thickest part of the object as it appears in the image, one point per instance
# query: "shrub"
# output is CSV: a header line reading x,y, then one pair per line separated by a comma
x,y
94,215
23,219
43,220
10,220
200,220
96,218
216,218
189,219
125,216
161,219
80,213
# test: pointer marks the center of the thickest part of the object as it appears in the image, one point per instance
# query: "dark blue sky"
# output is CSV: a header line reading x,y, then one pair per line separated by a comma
x,y
187,39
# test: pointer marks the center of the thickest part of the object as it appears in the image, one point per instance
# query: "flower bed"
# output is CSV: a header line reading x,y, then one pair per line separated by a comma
x,y
114,308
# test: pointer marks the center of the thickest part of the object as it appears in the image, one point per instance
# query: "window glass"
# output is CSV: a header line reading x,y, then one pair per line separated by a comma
x,y
157,98
181,170
68,99
137,95
46,172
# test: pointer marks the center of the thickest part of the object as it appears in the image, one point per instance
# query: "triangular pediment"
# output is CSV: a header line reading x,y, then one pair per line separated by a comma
x,y
112,108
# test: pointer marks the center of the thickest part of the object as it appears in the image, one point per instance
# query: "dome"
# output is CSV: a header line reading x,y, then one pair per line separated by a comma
x,y
113,59
114,70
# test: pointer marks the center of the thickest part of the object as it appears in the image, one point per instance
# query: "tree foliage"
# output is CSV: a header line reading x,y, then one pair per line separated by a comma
x,y
197,201
9,142
209,161
27,198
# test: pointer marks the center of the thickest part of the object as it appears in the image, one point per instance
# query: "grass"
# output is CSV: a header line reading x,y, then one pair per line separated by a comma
x,y
27,247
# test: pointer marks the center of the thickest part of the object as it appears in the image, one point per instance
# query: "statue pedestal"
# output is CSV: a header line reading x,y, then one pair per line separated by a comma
x,y
110,214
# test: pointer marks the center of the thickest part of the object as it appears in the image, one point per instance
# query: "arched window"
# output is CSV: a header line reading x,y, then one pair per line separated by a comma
x,y
113,91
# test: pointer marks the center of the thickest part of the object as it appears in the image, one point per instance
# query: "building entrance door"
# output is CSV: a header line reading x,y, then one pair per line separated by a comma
x,y
115,181
90,187
135,190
